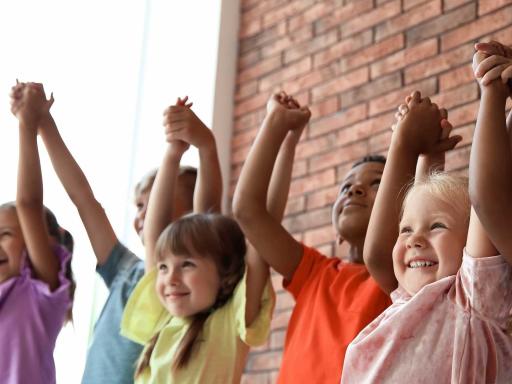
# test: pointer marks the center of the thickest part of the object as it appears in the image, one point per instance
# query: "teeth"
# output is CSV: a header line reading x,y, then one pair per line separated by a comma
x,y
420,264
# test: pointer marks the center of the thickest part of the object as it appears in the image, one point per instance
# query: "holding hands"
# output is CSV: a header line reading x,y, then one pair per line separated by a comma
x,y
493,61
183,128
29,103
289,113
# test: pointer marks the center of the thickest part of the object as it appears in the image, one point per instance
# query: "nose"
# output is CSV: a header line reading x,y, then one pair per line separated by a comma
x,y
356,190
174,277
415,241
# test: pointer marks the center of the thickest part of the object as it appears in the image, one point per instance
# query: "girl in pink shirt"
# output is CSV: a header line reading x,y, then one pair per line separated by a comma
x,y
35,276
450,320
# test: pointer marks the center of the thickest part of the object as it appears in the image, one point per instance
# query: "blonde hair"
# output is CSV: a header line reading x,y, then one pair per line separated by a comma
x,y
451,189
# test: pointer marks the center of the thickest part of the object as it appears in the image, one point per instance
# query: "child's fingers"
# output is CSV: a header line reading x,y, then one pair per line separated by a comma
x,y
50,102
447,144
403,108
488,48
506,75
398,116
426,100
443,112
188,105
415,98
446,129
489,63
493,74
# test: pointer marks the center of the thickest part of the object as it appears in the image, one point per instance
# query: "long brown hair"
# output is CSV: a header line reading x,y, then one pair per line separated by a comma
x,y
211,235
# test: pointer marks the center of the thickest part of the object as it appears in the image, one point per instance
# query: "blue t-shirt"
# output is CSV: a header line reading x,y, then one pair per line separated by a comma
x,y
111,357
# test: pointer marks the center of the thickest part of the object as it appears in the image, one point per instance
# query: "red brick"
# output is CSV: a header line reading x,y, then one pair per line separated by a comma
x,y
380,142
243,138
240,154
458,158
261,7
300,168
310,15
464,115
404,58
263,37
245,90
373,52
408,4
392,100
264,361
338,50
457,96
308,148
309,80
504,36
316,237
310,46
486,6
456,77
291,71
342,14
451,4
340,84
309,219
295,205
281,44
439,63
256,378
277,337
365,128
311,183
248,121
371,90
280,319
337,121
322,198
248,59
262,67
441,24
411,18
281,13
477,28
251,104
338,155
249,28
324,108
369,19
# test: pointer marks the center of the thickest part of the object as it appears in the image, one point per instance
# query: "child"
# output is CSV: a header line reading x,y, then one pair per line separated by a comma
x,y
205,313
117,265
334,299
35,292
442,314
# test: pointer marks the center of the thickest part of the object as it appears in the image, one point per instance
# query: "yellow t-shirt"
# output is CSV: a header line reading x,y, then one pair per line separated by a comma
x,y
224,341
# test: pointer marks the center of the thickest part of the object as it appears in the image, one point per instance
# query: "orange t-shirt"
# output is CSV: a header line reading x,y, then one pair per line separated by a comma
x,y
334,302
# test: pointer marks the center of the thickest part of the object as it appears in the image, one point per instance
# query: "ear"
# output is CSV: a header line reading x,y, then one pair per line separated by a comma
x,y
339,240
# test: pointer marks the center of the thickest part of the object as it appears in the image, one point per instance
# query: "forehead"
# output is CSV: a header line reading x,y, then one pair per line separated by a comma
x,y
423,204
368,169
8,218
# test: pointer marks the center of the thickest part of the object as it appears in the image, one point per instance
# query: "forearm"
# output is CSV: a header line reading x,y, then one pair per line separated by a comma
x,y
30,185
281,179
428,164
161,201
384,221
208,191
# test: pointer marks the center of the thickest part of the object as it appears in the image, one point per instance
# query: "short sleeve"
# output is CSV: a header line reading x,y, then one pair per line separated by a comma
x,y
487,286
311,262
143,314
259,330
120,259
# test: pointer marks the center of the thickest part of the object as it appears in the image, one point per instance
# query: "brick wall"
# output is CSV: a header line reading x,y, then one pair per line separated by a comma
x,y
352,62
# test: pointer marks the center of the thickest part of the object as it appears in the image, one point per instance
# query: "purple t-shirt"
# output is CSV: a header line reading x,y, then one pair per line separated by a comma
x,y
31,317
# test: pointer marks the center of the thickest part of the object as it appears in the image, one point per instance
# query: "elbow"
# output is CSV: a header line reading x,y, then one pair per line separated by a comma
x,y
27,203
243,210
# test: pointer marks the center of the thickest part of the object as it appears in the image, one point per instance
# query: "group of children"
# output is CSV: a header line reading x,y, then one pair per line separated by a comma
x,y
424,294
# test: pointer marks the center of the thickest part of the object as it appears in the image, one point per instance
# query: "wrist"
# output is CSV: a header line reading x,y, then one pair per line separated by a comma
x,y
404,145
175,150
496,90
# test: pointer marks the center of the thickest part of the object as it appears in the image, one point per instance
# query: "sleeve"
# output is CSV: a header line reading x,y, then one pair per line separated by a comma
x,y
486,286
259,330
143,314
120,259
311,262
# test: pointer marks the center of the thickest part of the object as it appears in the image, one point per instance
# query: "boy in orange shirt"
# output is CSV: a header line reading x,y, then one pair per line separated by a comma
x,y
335,299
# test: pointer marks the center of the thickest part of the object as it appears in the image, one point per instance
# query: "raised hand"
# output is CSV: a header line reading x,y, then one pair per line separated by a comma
x,y
29,103
288,110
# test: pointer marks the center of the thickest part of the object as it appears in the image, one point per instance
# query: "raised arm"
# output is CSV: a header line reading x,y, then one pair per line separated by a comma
x,y
29,196
419,132
272,242
258,270
490,167
93,216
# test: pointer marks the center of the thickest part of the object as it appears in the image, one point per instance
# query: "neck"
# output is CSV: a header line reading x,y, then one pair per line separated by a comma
x,y
354,254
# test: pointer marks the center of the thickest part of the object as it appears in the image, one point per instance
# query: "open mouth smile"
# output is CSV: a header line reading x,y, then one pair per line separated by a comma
x,y
421,264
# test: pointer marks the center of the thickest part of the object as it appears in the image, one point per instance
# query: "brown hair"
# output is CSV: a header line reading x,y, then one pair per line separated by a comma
x,y
64,238
209,235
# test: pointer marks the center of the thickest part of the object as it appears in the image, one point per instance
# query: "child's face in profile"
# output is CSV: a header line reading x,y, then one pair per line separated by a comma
x,y
141,203
187,284
11,244
431,239
353,206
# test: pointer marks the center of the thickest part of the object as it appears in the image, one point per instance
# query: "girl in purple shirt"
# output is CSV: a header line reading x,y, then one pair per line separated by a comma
x,y
35,276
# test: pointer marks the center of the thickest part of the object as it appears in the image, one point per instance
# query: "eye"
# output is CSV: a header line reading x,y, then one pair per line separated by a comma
x,y
345,188
188,264
5,233
162,267
405,230
438,225
375,183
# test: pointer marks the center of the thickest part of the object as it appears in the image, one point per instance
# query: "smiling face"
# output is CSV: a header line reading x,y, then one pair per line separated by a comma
x,y
187,284
430,242
11,244
352,209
